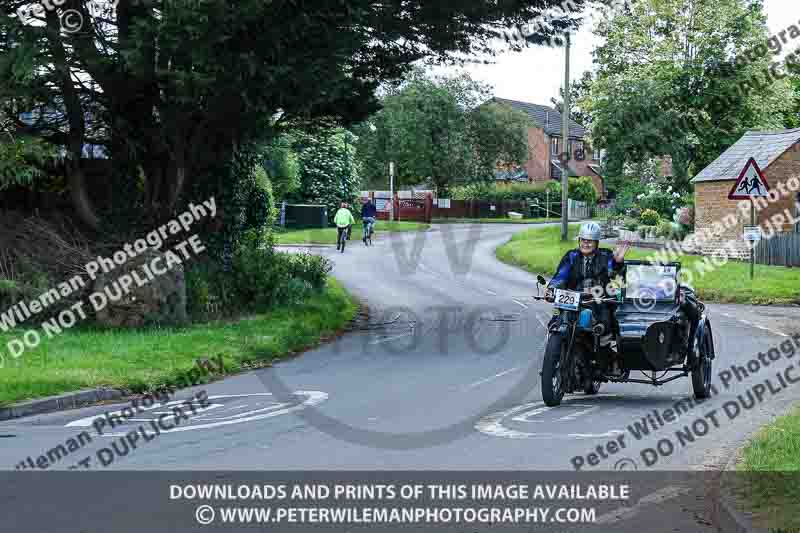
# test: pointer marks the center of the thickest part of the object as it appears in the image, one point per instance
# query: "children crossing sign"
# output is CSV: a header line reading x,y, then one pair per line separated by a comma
x,y
751,183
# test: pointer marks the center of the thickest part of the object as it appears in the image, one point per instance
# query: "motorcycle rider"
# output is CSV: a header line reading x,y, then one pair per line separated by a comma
x,y
590,266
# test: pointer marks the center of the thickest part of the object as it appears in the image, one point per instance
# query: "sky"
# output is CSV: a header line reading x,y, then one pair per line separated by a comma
x,y
536,74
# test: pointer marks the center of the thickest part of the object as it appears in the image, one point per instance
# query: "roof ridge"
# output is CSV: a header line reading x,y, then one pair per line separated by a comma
x,y
772,132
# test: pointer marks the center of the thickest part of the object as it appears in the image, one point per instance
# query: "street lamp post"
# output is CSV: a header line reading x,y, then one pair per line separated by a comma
x,y
565,148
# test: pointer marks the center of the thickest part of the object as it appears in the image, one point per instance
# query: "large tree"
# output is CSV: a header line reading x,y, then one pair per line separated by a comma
x,y
438,129
173,88
680,78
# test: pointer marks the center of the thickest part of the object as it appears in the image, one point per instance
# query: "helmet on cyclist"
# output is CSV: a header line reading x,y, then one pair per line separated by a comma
x,y
590,231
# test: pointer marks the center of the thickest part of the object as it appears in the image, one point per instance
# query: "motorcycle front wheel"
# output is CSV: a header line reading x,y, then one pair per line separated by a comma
x,y
552,386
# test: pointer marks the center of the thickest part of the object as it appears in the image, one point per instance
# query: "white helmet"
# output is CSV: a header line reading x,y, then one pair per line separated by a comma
x,y
590,231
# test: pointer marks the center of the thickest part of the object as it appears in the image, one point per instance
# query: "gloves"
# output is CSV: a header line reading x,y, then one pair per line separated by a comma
x,y
550,294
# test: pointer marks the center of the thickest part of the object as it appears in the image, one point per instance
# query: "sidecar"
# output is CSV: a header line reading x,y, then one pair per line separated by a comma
x,y
662,328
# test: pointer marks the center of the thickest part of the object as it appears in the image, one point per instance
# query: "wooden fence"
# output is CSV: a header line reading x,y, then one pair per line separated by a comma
x,y
780,250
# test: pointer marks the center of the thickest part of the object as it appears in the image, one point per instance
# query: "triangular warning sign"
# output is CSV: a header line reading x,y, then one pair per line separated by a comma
x,y
751,183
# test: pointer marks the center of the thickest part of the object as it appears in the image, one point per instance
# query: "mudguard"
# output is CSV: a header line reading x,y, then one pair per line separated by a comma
x,y
703,329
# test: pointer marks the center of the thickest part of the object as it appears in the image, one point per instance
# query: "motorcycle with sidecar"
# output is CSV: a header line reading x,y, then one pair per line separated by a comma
x,y
659,328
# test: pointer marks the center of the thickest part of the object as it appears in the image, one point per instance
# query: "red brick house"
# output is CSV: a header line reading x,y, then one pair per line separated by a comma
x,y
719,221
545,145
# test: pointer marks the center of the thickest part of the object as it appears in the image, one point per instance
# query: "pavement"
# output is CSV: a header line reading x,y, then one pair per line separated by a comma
x,y
443,374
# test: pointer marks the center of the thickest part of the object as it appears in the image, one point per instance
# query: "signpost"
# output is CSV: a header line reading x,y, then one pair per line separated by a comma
x,y
751,184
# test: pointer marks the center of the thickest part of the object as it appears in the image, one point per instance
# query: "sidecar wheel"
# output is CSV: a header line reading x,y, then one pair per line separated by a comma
x,y
552,386
701,376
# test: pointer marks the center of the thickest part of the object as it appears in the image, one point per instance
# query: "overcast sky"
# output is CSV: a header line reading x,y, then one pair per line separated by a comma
x,y
536,74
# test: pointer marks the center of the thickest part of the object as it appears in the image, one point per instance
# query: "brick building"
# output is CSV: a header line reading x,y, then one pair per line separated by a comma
x,y
545,145
778,155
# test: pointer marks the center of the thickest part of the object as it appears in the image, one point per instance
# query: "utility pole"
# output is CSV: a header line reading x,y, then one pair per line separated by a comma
x,y
565,148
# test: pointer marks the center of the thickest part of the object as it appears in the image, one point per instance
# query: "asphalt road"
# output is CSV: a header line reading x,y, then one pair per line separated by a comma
x,y
443,374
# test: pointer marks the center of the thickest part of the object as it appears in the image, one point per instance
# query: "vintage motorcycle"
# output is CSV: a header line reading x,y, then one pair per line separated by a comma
x,y
659,328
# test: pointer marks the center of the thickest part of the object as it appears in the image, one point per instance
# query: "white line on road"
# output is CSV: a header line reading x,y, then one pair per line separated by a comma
x,y
624,513
519,303
387,339
490,378
492,425
753,325
573,416
491,292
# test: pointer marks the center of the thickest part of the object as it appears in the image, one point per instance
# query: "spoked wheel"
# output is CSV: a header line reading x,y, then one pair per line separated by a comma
x,y
701,375
552,386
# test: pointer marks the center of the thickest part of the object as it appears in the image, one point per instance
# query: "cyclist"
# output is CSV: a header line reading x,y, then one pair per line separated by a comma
x,y
368,215
344,221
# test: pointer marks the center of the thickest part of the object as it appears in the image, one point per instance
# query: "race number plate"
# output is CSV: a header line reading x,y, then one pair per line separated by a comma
x,y
568,300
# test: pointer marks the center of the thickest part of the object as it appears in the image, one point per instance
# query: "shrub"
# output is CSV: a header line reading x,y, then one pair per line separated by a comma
x,y
582,189
631,225
649,217
665,229
645,230
260,279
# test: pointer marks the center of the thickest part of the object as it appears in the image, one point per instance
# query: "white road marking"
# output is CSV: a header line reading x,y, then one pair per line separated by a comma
x,y
519,303
387,339
312,398
526,417
492,425
491,292
624,513
490,378
579,413
754,325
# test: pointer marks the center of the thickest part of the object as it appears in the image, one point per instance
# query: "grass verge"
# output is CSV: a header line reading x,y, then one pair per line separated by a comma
x,y
141,360
328,235
539,250
765,481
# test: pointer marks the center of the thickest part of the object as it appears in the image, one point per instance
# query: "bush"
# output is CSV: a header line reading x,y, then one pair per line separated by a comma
x,y
631,225
260,279
645,230
582,190
649,217
665,229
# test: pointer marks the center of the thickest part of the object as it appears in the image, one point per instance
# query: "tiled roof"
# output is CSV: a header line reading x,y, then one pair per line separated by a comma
x,y
545,117
764,146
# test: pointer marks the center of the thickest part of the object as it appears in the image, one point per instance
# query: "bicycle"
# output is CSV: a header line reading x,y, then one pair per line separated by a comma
x,y
369,229
342,237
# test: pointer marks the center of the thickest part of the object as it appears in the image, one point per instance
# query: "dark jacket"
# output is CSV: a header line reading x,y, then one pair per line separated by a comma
x,y
369,210
573,275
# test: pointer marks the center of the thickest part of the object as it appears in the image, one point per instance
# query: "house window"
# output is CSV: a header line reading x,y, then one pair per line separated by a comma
x,y
575,146
596,154
553,145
